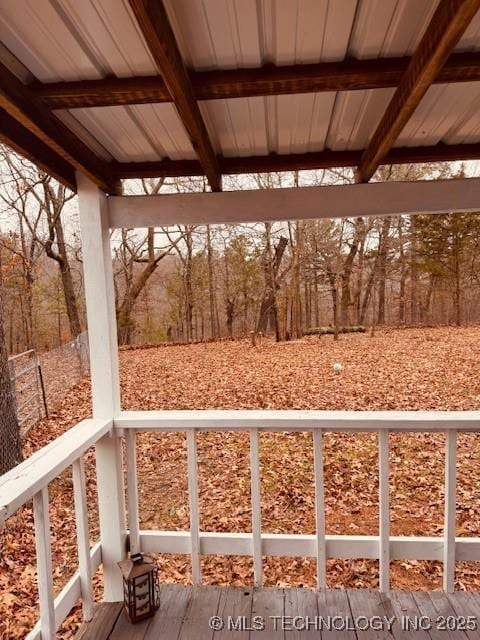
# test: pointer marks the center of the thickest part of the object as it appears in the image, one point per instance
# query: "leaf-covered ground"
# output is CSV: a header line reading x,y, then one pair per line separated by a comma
x,y
396,369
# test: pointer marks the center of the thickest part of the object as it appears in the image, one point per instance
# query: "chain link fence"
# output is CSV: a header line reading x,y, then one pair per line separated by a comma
x,y
40,381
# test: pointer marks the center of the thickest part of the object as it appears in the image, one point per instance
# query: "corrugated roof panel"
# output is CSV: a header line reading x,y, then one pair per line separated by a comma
x,y
355,116
257,126
302,122
386,28
214,34
246,33
164,129
109,31
382,28
446,114
139,133
237,127
38,35
71,40
471,38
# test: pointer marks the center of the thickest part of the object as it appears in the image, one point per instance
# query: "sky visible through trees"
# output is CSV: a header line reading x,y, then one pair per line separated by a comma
x,y
192,283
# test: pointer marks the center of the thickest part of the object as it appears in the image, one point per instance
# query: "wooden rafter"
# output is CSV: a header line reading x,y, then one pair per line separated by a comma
x,y
155,26
16,136
348,75
447,26
21,105
291,162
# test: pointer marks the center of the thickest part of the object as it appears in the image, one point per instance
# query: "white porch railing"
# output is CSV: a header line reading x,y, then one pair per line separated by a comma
x,y
30,480
382,547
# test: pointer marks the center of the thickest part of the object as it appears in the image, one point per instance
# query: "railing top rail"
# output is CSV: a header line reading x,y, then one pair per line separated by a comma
x,y
23,481
297,420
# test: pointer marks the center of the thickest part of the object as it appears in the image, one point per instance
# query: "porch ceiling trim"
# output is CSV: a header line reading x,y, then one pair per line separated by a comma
x,y
380,198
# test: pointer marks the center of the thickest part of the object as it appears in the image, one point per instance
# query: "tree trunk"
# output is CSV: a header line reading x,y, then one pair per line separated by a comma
x,y
268,308
413,273
403,274
61,257
345,299
382,269
457,285
211,287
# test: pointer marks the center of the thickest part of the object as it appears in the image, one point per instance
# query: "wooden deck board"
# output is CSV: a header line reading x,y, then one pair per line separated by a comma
x,y
268,604
236,604
185,611
104,619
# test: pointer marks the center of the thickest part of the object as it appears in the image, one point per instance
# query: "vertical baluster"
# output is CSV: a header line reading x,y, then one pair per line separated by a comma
x,y
256,507
83,538
193,502
44,564
450,506
320,509
384,510
132,490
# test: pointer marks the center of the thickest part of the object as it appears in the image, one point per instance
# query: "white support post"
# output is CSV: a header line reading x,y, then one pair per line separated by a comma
x,y
102,336
193,505
44,564
83,538
384,509
256,508
132,491
450,507
320,509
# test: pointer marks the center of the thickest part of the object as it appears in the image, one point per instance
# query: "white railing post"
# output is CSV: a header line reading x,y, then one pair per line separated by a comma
x,y
193,505
320,509
256,508
384,509
83,537
450,508
44,564
102,335
132,491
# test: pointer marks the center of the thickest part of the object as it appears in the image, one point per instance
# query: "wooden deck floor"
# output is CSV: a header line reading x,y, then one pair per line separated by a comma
x,y
358,614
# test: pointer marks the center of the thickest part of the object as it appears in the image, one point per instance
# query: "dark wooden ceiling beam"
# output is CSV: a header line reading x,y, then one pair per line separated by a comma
x,y
21,105
18,138
155,26
291,162
446,27
348,75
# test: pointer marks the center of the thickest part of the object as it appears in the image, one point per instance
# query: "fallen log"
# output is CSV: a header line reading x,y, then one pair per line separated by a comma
x,y
323,331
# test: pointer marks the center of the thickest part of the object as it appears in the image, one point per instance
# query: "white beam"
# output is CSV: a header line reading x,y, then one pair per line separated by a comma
x,y
376,199
305,545
102,336
296,420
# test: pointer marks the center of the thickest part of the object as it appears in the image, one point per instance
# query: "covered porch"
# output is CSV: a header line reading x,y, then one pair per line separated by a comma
x,y
286,614
147,90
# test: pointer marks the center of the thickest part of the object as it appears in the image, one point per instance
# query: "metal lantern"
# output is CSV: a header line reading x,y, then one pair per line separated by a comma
x,y
140,586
